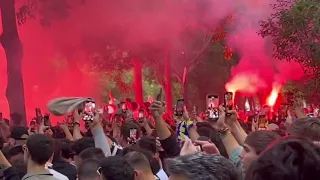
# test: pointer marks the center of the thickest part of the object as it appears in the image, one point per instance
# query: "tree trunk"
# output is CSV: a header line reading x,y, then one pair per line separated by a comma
x,y
12,46
137,81
184,86
168,83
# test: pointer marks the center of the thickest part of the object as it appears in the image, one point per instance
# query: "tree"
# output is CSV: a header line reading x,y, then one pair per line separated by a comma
x,y
294,29
12,46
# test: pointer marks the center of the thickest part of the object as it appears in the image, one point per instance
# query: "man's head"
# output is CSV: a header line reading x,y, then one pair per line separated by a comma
x,y
88,170
116,168
201,166
255,143
19,134
80,145
38,149
63,149
288,158
92,153
140,163
308,128
130,133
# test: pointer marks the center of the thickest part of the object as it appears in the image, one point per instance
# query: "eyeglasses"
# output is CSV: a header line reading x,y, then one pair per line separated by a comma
x,y
99,171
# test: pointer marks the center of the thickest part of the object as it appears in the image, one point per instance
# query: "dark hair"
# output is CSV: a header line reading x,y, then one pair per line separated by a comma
x,y
82,144
15,151
149,143
154,163
88,169
20,166
260,140
18,131
40,148
92,153
308,128
202,166
58,133
63,149
116,168
138,160
288,158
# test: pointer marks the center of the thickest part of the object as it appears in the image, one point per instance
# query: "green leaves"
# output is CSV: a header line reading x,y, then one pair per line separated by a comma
x,y
294,30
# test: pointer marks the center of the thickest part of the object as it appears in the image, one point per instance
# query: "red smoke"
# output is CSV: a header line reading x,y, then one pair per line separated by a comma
x,y
257,70
56,61
55,58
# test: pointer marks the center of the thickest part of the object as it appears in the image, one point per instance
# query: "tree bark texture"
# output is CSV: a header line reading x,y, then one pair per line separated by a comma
x,y
12,46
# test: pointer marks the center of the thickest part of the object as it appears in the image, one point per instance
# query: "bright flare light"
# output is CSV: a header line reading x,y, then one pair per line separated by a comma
x,y
272,98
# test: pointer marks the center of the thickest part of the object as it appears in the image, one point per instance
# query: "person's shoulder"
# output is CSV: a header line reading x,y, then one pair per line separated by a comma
x,y
57,175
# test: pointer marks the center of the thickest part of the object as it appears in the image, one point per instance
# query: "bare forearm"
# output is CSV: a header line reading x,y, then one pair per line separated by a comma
x,y
239,134
161,128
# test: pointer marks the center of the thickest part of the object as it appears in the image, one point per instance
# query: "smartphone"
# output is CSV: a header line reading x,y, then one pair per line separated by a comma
x,y
228,101
159,96
46,120
180,107
141,114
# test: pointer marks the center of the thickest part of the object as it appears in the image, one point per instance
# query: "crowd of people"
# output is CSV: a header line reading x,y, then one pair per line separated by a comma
x,y
134,143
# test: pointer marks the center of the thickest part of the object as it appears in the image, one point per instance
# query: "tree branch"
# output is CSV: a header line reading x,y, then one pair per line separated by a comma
x,y
194,60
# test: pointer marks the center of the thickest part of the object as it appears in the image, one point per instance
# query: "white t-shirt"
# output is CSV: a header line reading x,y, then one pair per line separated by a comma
x,y
162,175
58,175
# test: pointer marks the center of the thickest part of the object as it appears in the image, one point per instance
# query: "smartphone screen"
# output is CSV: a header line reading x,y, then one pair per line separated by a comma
x,y
90,107
46,120
213,113
180,107
228,101
133,133
212,105
212,101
